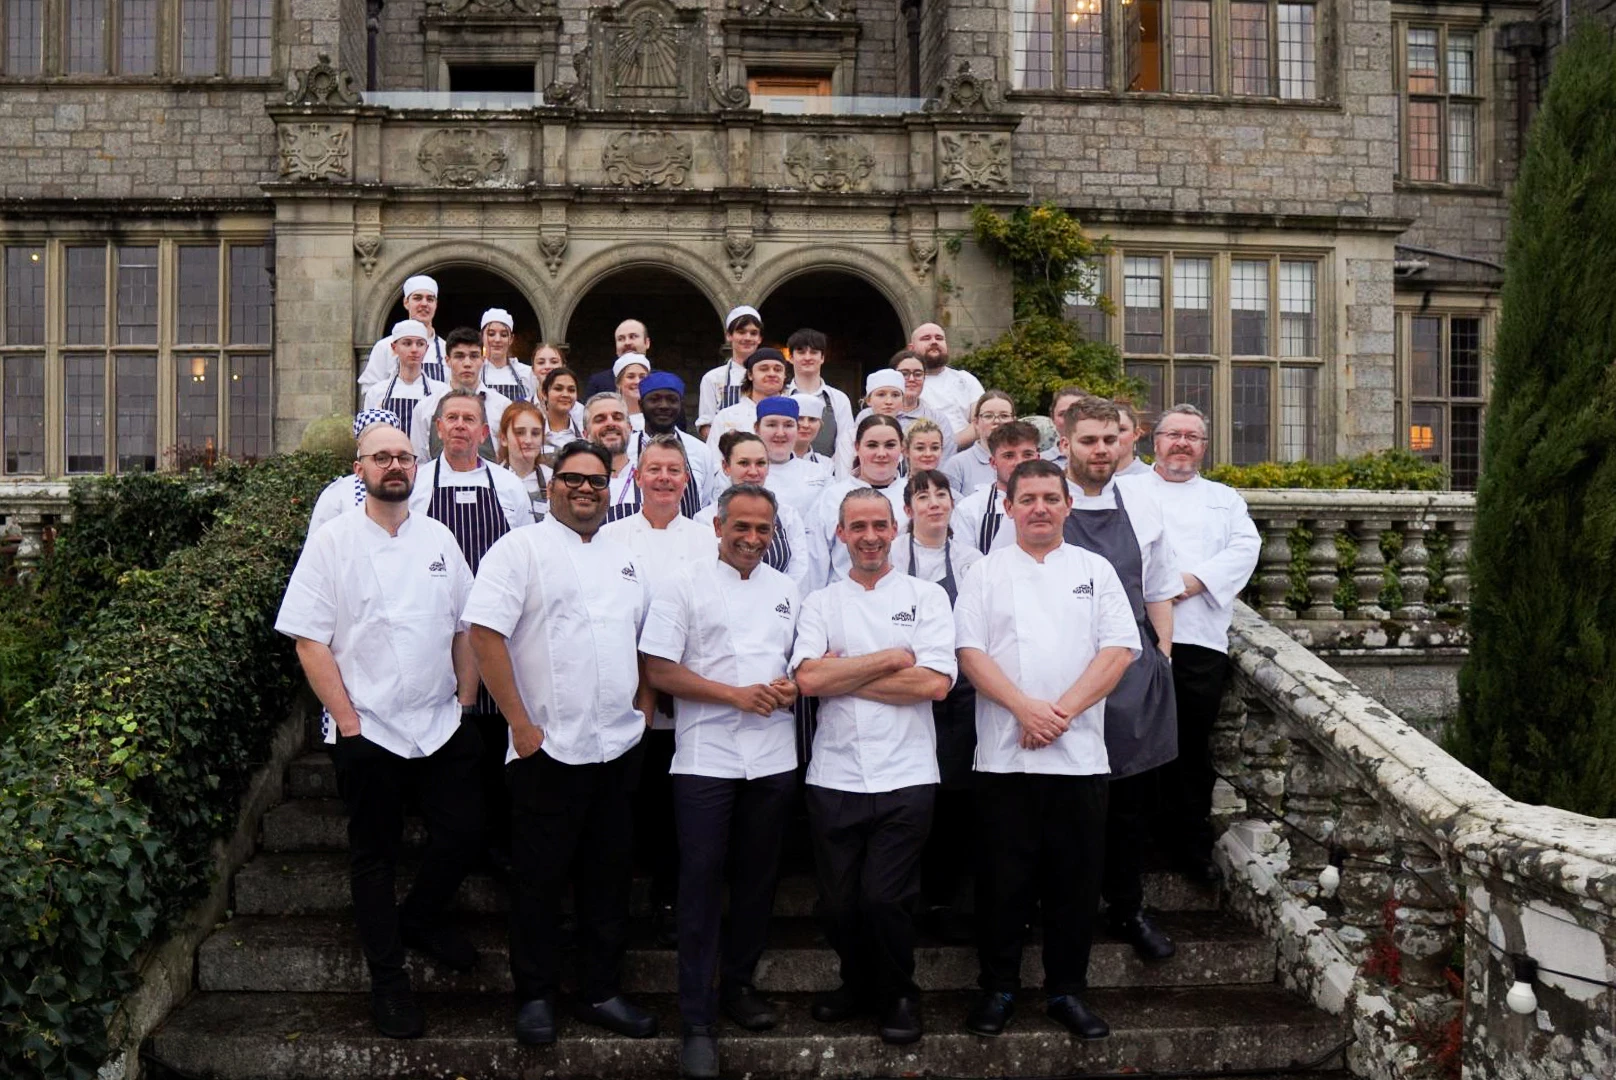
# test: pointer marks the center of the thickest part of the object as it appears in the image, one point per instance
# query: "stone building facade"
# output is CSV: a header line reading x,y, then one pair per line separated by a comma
x,y
209,206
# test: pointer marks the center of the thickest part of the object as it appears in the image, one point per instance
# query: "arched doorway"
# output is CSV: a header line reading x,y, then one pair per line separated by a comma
x,y
465,292
862,329
686,337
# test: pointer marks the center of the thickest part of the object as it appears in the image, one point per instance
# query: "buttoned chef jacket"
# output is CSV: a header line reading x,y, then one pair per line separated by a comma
x,y
1162,580
571,614
788,525
1213,537
799,482
828,555
737,632
1042,623
514,500
389,608
341,495
952,392
869,746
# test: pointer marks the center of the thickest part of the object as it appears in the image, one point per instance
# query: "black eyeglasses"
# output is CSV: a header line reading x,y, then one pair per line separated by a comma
x,y
382,459
576,480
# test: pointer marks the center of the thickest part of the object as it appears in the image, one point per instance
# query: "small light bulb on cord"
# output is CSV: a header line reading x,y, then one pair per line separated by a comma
x,y
1520,998
1330,876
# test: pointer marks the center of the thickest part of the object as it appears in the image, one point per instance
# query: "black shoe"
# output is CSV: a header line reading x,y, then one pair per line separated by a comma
x,y
842,1003
396,1015
698,1058
990,1013
443,944
618,1014
746,1007
535,1022
1147,941
1199,868
1069,1011
900,1024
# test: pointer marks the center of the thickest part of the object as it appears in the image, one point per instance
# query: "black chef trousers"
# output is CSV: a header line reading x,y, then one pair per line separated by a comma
x,y
1199,676
867,849
1130,808
741,823
571,821
496,796
375,784
1044,833
654,839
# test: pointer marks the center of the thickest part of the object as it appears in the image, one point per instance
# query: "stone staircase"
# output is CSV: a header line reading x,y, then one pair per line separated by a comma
x,y
281,992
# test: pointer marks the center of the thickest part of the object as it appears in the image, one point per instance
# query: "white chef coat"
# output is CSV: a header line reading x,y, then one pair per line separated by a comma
x,y
1135,468
703,463
713,382
389,608
841,408
376,394
952,392
1054,454
1042,623
1162,580
341,495
906,418
870,746
828,555
513,373
970,469
556,438
571,613
969,512
789,522
514,500
930,565
741,416
494,406
1212,534
736,632
383,361
799,482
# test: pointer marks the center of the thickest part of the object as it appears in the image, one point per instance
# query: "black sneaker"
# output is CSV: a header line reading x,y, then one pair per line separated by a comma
x,y
396,1015
698,1057
900,1024
620,1015
991,1013
1069,1011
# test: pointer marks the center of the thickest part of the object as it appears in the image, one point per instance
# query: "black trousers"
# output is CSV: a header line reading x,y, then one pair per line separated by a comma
x,y
496,796
655,844
1199,676
1045,834
867,850
741,824
1132,806
570,821
376,784
945,865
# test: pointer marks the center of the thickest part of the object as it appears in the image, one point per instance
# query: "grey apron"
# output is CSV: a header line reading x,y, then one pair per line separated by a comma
x,y
955,715
1141,715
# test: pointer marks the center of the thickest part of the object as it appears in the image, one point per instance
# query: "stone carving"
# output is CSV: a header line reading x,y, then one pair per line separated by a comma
x,y
727,97
975,160
829,162
646,159
367,247
965,92
553,246
648,54
491,7
461,157
795,9
313,151
323,84
923,250
577,91
738,246
645,52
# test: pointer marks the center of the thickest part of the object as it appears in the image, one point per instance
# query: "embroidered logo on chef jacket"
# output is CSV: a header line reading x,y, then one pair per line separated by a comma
x,y
905,616
783,609
1083,590
628,574
440,568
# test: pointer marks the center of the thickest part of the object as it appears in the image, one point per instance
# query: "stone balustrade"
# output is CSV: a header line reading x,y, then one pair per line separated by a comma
x,y
1443,879
30,512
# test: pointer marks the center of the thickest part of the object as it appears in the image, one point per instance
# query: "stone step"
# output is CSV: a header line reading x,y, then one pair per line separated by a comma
x,y
312,776
329,1037
307,883
321,954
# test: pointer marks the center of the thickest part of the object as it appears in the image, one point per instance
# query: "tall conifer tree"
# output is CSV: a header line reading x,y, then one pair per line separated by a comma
x,y
1538,695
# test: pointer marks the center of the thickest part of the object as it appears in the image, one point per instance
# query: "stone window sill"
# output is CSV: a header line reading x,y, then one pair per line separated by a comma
x,y
1197,100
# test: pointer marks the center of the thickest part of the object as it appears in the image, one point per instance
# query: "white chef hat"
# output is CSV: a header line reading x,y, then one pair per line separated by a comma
x,y
629,359
499,315
881,378
809,406
411,328
420,283
738,312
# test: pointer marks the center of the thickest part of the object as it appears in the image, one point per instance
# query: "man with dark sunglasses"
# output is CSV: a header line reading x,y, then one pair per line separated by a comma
x,y
555,617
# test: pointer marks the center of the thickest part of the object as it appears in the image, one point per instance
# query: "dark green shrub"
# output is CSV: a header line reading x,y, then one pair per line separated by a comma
x,y
1384,470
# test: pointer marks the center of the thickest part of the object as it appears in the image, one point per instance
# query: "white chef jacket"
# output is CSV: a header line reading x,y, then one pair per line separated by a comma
x,y
870,746
952,392
970,469
664,553
1042,623
513,373
930,565
713,382
969,512
841,408
741,416
571,613
383,362
736,632
799,482
389,608
514,501
703,464
1211,532
341,495
494,406
828,555
789,522
1135,468
376,395
1162,580
922,411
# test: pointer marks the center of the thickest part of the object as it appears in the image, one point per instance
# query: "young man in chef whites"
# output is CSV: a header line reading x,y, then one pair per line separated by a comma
x,y
1040,745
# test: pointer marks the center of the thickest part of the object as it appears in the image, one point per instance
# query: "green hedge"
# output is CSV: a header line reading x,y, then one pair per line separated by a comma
x,y
1386,470
127,768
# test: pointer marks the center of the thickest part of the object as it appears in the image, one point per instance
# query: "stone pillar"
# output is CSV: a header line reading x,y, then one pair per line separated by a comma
x,y
1274,567
314,313
1369,575
1322,561
1412,570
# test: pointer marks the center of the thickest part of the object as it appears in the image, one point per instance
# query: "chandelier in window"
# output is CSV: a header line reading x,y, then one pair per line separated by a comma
x,y
1076,9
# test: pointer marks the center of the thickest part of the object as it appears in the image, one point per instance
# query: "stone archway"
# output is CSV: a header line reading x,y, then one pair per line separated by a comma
x,y
686,336
861,325
465,292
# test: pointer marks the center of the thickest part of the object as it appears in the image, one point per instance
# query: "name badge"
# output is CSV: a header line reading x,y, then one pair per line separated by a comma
x,y
465,496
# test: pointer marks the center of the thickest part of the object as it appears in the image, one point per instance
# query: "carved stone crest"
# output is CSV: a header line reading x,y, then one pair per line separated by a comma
x,y
829,162
727,97
368,247
553,246
646,159
323,84
648,54
795,9
923,250
490,7
738,247
965,92
975,160
462,157
313,151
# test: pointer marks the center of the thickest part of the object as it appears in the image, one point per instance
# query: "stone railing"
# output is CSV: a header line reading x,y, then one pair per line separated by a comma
x,y
1444,882
30,512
